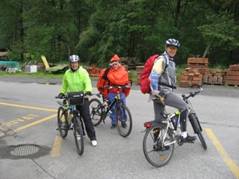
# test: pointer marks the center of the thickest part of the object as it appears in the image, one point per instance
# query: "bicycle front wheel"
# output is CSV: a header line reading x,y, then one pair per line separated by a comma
x,y
156,151
95,111
202,140
78,135
124,120
197,129
62,122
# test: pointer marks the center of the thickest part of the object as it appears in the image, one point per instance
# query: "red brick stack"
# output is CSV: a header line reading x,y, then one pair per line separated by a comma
x,y
201,64
232,75
214,77
139,70
190,77
193,75
93,71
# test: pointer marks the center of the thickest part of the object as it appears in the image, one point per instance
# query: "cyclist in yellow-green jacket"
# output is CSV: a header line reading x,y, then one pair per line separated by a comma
x,y
76,79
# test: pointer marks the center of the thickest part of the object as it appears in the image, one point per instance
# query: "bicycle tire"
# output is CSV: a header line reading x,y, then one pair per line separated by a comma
x,y
95,111
202,140
198,130
78,135
124,131
159,160
61,112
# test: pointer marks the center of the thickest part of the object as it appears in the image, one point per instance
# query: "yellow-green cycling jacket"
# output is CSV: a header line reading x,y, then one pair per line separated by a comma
x,y
76,81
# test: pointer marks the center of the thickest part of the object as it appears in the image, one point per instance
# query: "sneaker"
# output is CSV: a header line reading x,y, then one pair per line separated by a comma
x,y
188,139
71,126
113,126
94,143
123,124
78,137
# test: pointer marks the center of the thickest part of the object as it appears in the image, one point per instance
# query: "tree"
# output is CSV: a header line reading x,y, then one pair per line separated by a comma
x,y
221,31
12,29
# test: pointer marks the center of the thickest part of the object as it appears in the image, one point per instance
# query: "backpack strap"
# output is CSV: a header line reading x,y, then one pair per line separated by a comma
x,y
166,61
104,76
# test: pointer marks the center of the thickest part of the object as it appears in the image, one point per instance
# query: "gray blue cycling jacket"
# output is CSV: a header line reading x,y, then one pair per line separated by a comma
x,y
163,74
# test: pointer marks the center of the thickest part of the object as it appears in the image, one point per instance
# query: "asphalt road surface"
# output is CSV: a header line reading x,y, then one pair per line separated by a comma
x,y
31,148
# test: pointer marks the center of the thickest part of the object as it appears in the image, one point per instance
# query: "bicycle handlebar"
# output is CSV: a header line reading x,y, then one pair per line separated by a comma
x,y
117,86
192,94
67,96
60,97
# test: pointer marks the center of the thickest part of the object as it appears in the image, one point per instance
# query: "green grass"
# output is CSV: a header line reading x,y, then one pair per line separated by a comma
x,y
32,75
133,76
180,69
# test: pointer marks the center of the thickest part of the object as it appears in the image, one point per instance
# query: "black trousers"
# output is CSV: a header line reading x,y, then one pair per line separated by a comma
x,y
85,113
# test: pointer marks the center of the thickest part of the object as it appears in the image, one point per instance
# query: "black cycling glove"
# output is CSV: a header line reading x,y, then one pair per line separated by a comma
x,y
61,95
88,93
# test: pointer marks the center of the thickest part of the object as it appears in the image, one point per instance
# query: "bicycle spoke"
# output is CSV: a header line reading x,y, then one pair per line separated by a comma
x,y
78,135
95,111
124,120
62,125
154,152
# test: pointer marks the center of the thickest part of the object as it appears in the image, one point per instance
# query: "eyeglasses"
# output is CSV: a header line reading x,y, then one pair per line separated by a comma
x,y
114,63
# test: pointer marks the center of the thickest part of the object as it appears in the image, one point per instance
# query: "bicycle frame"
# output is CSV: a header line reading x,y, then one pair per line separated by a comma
x,y
69,108
116,101
160,137
170,123
100,110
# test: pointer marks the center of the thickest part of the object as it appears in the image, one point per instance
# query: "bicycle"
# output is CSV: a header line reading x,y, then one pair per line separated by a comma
x,y
68,117
100,110
160,137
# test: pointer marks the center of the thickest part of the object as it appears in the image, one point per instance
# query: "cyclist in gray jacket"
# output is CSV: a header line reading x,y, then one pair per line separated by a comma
x,y
163,81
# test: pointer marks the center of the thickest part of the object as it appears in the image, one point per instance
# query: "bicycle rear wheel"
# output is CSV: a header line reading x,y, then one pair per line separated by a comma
x,y
155,151
124,120
62,122
95,111
78,135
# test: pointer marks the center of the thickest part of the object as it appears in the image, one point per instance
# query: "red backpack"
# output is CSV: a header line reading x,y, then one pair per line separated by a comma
x,y
144,76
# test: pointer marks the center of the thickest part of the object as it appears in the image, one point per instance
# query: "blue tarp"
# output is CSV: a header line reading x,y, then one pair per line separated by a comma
x,y
9,64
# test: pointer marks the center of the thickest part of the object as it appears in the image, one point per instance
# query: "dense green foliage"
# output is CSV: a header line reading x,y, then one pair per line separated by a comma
x,y
96,29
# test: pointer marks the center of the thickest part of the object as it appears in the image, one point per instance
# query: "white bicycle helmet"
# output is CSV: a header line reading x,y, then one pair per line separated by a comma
x,y
74,58
172,42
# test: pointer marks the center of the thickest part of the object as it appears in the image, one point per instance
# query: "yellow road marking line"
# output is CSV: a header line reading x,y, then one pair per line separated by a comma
x,y
56,147
19,120
229,162
28,107
36,122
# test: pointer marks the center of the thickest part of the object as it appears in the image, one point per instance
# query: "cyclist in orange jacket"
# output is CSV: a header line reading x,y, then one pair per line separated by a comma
x,y
117,75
